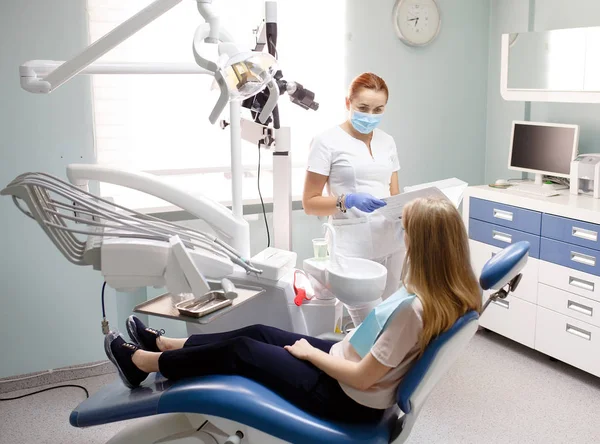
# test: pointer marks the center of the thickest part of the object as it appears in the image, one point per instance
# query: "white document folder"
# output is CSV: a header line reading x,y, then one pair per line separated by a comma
x,y
453,189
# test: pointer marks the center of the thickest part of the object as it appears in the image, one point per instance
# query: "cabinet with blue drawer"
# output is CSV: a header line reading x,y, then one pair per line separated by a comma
x,y
506,216
571,231
501,236
570,256
560,317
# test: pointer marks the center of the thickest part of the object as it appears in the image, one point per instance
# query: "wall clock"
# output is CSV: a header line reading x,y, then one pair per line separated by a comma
x,y
417,22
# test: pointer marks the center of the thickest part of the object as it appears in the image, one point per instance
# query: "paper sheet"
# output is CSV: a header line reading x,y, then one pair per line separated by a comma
x,y
453,189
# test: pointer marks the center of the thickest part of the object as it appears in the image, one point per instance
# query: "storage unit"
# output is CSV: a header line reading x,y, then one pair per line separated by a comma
x,y
556,308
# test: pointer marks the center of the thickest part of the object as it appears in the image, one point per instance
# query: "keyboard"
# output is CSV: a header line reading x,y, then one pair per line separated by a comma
x,y
535,190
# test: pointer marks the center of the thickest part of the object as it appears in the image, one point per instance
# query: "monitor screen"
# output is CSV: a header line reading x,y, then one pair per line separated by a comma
x,y
543,148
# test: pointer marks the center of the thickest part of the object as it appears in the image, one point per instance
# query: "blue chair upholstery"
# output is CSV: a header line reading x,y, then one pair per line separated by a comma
x,y
500,266
232,397
418,370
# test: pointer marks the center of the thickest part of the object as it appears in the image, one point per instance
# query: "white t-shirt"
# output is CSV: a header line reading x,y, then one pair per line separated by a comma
x,y
351,169
397,347
350,166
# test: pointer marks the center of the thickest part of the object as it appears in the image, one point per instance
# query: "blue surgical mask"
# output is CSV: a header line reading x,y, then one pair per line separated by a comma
x,y
363,122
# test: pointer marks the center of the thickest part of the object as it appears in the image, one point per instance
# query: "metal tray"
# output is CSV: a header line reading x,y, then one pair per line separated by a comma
x,y
164,306
198,307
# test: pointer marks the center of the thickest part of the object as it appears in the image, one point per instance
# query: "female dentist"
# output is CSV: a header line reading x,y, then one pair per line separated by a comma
x,y
359,164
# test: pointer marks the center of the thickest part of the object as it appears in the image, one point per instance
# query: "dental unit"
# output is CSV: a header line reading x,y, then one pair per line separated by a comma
x,y
134,250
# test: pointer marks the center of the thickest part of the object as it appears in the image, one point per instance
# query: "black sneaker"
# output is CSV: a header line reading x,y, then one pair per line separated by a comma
x,y
143,336
120,353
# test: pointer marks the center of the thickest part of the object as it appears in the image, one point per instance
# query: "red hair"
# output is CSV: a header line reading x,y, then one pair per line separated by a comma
x,y
367,80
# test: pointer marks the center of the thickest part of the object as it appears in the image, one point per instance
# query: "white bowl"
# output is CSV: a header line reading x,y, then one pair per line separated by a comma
x,y
357,281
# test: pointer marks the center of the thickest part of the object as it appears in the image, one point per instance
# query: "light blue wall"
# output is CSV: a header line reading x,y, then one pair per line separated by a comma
x,y
505,16
543,15
49,309
437,107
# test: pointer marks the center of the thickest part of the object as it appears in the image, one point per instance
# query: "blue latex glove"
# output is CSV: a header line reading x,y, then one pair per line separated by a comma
x,y
364,202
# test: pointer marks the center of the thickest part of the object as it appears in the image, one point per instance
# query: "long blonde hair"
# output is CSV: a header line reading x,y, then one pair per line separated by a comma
x,y
437,266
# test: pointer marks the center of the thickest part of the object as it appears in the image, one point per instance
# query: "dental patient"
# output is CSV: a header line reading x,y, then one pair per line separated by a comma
x,y
355,379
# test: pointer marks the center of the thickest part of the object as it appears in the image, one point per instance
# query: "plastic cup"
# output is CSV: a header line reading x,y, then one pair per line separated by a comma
x,y
320,248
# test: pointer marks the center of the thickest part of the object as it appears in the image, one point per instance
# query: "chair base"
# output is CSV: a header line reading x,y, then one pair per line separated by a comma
x,y
183,428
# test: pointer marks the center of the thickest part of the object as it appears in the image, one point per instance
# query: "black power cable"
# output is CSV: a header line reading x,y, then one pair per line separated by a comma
x,y
87,394
262,201
103,309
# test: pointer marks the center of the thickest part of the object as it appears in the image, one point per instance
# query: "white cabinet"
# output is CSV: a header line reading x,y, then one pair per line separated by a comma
x,y
556,308
513,318
569,304
570,280
568,339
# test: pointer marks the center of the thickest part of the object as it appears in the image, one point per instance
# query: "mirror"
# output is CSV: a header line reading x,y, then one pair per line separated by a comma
x,y
561,65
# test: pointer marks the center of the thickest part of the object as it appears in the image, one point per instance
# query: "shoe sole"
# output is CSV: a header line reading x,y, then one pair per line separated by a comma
x,y
107,341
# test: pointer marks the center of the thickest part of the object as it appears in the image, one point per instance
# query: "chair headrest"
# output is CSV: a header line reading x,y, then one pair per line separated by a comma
x,y
504,266
419,369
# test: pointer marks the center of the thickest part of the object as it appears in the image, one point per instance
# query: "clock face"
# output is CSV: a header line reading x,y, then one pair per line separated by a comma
x,y
417,22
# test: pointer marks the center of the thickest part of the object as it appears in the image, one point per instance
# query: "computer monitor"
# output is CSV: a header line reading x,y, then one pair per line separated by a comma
x,y
543,148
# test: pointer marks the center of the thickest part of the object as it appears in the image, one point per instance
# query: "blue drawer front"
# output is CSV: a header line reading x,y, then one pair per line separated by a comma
x,y
571,256
501,236
506,215
571,231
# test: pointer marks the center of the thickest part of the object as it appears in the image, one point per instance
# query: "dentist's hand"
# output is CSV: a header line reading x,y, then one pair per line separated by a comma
x,y
364,202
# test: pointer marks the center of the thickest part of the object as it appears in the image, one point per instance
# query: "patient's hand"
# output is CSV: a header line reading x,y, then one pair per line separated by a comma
x,y
301,349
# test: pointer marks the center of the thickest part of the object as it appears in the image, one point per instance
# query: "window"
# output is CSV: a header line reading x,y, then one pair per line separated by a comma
x,y
159,123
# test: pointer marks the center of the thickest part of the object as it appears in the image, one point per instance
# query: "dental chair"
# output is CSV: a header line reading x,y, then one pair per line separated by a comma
x,y
233,409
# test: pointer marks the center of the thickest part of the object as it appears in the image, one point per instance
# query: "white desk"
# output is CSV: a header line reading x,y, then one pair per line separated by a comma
x,y
556,308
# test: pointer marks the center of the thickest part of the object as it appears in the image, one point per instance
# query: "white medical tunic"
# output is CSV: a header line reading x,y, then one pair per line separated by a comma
x,y
352,169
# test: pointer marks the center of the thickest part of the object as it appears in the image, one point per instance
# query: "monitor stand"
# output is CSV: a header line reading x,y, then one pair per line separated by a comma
x,y
539,180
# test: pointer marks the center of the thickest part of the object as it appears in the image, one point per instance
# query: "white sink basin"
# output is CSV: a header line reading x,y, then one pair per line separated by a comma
x,y
353,281
358,281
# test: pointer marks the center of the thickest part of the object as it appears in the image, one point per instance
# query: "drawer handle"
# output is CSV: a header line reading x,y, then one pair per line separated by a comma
x,y
579,332
583,259
504,215
502,237
580,283
583,309
582,233
502,303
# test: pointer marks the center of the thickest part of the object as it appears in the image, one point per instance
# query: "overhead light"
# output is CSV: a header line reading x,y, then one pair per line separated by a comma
x,y
248,73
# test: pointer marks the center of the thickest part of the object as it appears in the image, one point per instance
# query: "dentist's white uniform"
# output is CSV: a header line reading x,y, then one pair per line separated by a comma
x,y
351,169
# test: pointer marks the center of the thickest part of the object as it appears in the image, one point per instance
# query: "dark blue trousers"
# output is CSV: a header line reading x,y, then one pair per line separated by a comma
x,y
257,353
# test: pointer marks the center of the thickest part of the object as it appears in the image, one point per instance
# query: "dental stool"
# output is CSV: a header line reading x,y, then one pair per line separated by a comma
x,y
233,409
